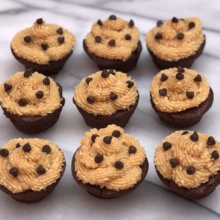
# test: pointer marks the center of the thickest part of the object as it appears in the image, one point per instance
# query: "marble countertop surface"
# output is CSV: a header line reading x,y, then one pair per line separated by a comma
x,y
151,200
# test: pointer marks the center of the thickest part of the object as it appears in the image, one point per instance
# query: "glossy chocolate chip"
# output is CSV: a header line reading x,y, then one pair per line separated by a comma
x,y
60,30
111,43
105,74
175,20
194,136
93,137
215,155
7,87
61,40
116,133
90,99
98,39
190,170
190,95
27,39
167,145
99,22
179,76
41,170
112,17
131,23
46,81
28,73
158,36
107,139
46,149
98,158
163,77
185,132
44,46
4,152
159,23
39,94
118,165
39,21
14,171
191,25
127,37
130,84
17,145
132,150
113,96
26,148
180,69
88,79
198,78
180,36
211,141
174,162
22,102
163,92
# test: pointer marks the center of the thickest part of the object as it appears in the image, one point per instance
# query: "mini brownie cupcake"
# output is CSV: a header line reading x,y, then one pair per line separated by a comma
x,y
43,47
109,162
180,96
188,163
31,101
106,97
30,168
176,42
113,44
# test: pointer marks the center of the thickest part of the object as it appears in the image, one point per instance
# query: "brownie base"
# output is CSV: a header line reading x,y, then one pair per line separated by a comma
x,y
105,193
119,118
31,196
185,62
52,67
200,192
187,117
124,66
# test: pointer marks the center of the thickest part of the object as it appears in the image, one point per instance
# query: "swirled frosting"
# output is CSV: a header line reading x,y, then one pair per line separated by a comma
x,y
113,39
29,164
109,158
105,92
177,89
188,158
30,94
43,43
175,39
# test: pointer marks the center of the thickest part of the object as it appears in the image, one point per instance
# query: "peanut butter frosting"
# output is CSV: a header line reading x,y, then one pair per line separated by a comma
x,y
177,89
175,39
105,92
109,158
113,39
29,94
29,164
188,158
43,43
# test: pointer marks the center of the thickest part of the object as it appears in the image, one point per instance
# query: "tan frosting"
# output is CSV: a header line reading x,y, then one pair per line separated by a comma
x,y
176,99
27,163
105,174
26,87
100,88
189,153
113,30
170,48
42,33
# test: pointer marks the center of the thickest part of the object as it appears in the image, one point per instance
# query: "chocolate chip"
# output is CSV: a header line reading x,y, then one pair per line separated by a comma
x,y
46,81
190,95
14,171
127,37
190,170
163,77
179,76
93,137
28,73
118,165
132,150
116,133
198,78
215,155
104,74
98,39
167,145
163,92
185,132
27,39
159,23
7,87
211,141
191,25
88,79
60,30
180,36
180,69
107,139
130,84
113,96
90,99
39,94
111,43
4,152
44,46
174,162
61,40
98,158
41,170
158,36
99,22
46,149
26,148
194,136
175,20
112,17
131,23
39,21
17,145
22,102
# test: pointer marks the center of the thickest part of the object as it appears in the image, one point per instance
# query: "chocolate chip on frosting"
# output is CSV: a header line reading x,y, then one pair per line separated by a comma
x,y
41,170
118,165
39,21
112,17
174,162
26,148
28,73
107,139
90,99
163,92
14,171
190,95
175,20
60,30
27,39
131,23
116,133
98,158
88,79
185,132
159,23
44,46
46,149
98,39
191,25
17,145
158,36
194,136
61,40
113,96
4,152
22,102
46,81
163,77
180,69
190,170
105,74
99,22
211,141
130,84
179,76
215,155
132,150
39,94
198,78
111,43
93,137
180,36
7,87
127,37
167,145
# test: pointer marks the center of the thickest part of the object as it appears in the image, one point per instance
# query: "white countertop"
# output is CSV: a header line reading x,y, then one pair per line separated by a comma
x,y
151,200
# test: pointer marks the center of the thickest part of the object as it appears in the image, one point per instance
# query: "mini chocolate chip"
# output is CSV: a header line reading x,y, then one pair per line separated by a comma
x,y
211,141
14,171
46,149
7,87
98,158
28,73
17,145
39,94
130,84
107,139
194,136
163,92
98,39
39,21
167,145
159,23
158,36
131,23
198,78
22,102
215,155
90,99
61,40
112,17
180,69
190,170
4,152
111,43
60,30
185,132
127,37
174,162
46,81
116,133
118,165
179,76
26,148
180,36
175,20
44,46
113,96
27,39
104,74
163,77
190,95
191,25
99,22
132,150
93,137
41,170
88,79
